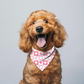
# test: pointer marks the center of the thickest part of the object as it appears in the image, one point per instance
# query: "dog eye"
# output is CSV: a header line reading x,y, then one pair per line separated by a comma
x,y
45,21
34,22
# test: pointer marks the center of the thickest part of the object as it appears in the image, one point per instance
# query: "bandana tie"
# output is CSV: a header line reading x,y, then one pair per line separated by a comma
x,y
42,59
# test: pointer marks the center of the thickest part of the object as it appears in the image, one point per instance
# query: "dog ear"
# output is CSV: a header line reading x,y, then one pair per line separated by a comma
x,y
59,34
25,41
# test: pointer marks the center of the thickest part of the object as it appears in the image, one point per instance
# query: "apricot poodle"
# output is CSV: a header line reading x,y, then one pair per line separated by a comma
x,y
42,33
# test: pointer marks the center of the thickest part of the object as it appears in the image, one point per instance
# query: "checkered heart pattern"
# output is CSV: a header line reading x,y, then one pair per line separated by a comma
x,y
39,60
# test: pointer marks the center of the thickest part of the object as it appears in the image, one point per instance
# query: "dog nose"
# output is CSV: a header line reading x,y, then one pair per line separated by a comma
x,y
39,29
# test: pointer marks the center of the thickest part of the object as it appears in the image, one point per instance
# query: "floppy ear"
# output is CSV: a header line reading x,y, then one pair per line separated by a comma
x,y
25,41
59,34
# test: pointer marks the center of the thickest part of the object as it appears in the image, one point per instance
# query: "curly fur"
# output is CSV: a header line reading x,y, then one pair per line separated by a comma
x,y
57,36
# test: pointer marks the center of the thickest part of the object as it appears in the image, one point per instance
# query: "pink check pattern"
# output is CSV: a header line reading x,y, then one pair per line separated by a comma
x,y
38,56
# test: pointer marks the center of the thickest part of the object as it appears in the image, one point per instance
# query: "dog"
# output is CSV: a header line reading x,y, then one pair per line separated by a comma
x,y
40,36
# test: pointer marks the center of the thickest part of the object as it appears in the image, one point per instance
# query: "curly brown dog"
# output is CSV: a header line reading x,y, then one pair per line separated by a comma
x,y
42,31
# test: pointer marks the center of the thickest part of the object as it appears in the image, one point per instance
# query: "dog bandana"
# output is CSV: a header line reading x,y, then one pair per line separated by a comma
x,y
42,59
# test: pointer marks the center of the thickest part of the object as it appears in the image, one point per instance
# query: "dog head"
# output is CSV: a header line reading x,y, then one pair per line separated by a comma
x,y
41,31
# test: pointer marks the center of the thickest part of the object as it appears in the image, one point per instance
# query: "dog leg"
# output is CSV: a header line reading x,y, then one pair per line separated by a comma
x,y
57,80
32,79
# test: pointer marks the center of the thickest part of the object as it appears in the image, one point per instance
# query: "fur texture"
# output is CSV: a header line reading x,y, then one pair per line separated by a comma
x,y
56,36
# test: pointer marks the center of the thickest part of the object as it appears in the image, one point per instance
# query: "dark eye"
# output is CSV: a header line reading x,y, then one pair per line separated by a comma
x,y
45,21
34,22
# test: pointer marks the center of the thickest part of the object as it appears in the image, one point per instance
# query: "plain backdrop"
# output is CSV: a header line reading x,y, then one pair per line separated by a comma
x,y
13,13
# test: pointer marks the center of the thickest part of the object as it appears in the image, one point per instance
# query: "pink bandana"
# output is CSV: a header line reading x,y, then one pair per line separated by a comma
x,y
42,59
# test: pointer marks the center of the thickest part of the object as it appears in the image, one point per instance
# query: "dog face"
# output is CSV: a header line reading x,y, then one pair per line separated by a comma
x,y
41,31
41,28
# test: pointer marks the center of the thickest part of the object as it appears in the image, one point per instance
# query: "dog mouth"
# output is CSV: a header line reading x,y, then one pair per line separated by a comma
x,y
42,40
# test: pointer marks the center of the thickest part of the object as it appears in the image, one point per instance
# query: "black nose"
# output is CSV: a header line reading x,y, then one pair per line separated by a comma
x,y
39,29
